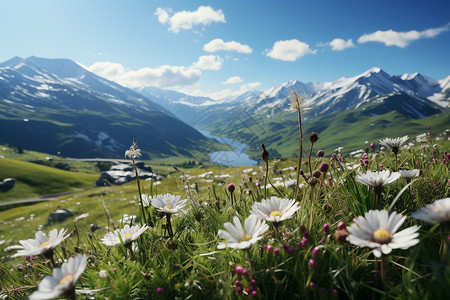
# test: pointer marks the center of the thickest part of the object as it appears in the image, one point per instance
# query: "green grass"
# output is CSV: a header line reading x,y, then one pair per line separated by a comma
x,y
33,180
189,265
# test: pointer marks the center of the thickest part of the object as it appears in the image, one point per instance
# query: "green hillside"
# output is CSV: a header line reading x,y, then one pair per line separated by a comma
x,y
350,130
33,180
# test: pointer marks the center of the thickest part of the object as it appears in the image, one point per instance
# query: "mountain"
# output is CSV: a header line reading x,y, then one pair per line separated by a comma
x,y
55,105
401,103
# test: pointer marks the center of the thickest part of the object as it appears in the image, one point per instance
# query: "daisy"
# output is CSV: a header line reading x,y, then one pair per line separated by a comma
x,y
377,180
275,209
127,234
41,245
240,238
394,144
62,281
437,212
378,230
409,174
168,203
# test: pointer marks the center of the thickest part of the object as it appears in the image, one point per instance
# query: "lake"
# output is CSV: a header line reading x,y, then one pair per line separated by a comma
x,y
230,158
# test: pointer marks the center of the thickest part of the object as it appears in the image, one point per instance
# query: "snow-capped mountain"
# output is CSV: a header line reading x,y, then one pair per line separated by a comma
x,y
55,105
63,83
276,98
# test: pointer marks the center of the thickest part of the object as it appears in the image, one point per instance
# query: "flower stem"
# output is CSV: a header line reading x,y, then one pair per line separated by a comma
x,y
383,272
169,225
299,153
139,191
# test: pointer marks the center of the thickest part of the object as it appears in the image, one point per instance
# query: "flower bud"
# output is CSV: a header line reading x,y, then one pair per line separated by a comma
x,y
313,137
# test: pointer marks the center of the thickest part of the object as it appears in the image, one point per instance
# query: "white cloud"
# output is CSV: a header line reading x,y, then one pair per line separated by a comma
x,y
204,15
289,50
219,44
340,44
233,80
401,39
222,94
208,62
163,76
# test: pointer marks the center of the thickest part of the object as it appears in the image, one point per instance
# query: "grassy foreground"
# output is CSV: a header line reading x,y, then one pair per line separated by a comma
x,y
189,264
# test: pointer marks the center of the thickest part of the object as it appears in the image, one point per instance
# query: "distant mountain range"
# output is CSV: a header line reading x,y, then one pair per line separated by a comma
x,y
263,115
55,105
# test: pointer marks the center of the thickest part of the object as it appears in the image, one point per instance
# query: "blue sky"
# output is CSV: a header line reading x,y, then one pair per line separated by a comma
x,y
222,48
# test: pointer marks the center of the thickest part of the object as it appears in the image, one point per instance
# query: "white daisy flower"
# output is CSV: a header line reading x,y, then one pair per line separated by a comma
x,y
437,212
63,280
240,238
168,203
378,179
377,230
128,235
409,174
275,209
394,144
146,200
40,245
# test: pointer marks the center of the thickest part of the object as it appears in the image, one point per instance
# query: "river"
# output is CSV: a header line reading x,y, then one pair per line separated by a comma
x,y
230,158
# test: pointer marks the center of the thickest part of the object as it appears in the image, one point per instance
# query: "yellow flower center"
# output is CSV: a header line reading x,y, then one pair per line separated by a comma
x,y
44,244
245,238
127,235
275,213
168,207
382,236
65,279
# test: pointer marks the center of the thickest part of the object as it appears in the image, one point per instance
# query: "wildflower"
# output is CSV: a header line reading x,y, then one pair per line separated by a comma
x,y
63,280
133,152
231,188
159,291
377,180
378,230
297,101
409,174
275,209
437,212
312,264
41,245
394,144
324,167
320,153
239,238
127,234
341,225
238,270
276,251
168,203
326,228
313,137
103,274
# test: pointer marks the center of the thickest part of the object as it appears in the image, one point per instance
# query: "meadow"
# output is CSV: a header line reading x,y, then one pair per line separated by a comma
x,y
313,242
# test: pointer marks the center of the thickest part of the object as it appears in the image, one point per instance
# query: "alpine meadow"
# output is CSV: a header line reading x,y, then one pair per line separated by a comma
x,y
224,150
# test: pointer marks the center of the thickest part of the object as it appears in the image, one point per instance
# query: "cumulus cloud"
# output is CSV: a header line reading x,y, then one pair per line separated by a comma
x,y
163,76
222,94
233,80
204,15
401,39
340,44
219,44
208,62
289,50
